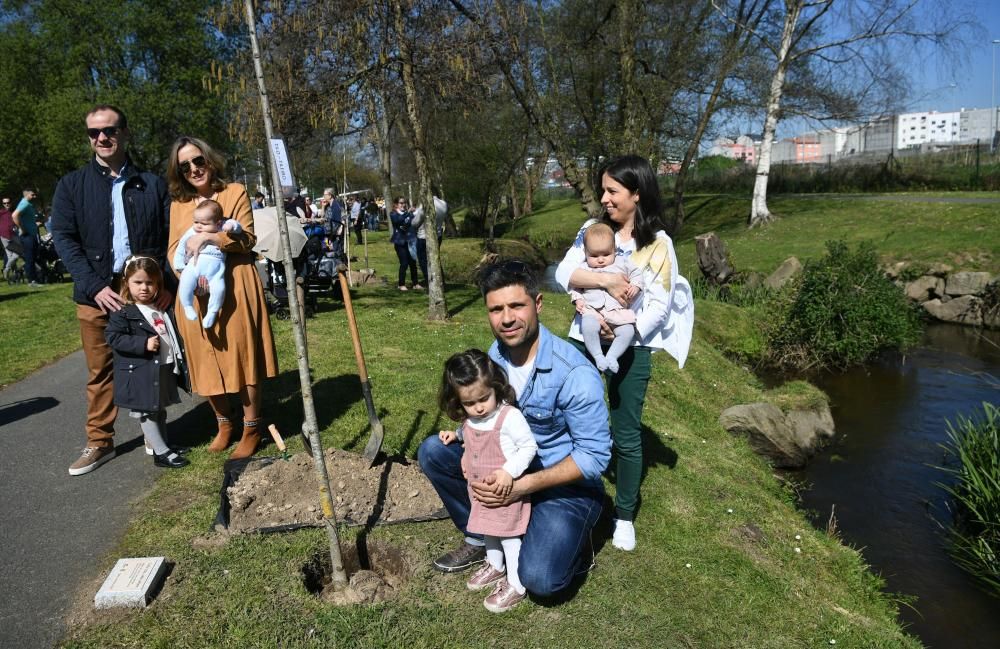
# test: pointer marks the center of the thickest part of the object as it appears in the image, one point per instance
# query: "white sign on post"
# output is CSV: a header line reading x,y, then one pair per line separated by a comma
x,y
284,167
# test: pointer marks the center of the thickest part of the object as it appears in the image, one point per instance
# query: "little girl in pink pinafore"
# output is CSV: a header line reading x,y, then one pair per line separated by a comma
x,y
499,447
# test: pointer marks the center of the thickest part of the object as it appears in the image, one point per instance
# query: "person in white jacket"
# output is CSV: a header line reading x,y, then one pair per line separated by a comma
x,y
664,316
419,222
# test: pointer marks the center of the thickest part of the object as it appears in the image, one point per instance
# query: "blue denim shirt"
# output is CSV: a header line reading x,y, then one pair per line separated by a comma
x,y
564,405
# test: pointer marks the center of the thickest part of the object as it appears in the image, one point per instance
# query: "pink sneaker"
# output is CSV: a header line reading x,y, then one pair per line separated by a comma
x,y
503,598
485,577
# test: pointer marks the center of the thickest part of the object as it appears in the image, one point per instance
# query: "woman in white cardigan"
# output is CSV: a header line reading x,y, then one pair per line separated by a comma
x,y
664,315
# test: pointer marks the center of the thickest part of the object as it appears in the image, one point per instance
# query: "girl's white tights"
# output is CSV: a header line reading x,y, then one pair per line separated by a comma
x,y
153,426
505,551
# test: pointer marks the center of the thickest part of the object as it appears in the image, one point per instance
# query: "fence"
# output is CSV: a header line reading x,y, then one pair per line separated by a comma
x,y
965,167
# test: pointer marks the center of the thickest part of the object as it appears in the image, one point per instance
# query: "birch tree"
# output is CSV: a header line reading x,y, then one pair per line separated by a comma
x,y
845,45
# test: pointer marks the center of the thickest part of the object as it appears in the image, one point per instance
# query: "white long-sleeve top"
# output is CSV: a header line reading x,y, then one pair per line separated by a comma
x,y
664,318
516,441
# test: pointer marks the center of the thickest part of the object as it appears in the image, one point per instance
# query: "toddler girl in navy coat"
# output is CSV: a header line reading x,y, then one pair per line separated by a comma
x,y
148,358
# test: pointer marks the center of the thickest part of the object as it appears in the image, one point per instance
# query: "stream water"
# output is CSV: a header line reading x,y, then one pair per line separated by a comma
x,y
880,476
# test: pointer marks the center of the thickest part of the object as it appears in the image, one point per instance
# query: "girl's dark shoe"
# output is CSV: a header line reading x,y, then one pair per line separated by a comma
x,y
170,460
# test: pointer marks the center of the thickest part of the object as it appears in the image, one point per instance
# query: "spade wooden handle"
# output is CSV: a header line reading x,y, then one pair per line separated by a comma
x,y
277,437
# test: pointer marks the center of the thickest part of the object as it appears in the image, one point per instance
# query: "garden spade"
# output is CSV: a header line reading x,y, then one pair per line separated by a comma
x,y
375,441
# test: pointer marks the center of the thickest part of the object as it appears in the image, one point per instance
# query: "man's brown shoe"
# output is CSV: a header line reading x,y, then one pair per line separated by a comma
x,y
93,457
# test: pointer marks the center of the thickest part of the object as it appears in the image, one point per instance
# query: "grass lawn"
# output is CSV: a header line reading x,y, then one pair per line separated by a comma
x,y
962,235
39,326
716,564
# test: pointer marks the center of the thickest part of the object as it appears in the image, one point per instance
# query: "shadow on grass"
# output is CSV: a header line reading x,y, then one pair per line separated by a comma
x,y
13,296
474,299
282,407
654,454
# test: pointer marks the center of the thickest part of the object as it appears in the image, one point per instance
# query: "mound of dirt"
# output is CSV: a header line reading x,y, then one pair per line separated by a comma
x,y
283,494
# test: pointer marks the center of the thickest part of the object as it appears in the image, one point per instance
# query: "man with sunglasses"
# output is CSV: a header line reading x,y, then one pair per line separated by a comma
x,y
102,214
562,398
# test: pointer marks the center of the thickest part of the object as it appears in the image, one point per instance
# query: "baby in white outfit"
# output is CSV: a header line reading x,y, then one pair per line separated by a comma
x,y
210,262
595,303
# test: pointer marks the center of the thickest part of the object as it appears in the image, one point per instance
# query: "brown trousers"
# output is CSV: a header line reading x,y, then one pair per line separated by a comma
x,y
101,408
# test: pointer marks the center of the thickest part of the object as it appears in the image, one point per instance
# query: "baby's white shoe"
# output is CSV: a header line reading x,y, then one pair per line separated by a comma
x,y
624,536
601,363
190,313
208,321
612,366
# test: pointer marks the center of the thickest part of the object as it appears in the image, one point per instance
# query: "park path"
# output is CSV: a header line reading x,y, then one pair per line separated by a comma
x,y
55,529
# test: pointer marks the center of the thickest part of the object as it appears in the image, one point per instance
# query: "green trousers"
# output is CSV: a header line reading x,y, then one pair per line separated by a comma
x,y
626,395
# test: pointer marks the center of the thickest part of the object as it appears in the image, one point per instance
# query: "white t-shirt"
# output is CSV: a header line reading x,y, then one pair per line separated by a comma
x,y
518,376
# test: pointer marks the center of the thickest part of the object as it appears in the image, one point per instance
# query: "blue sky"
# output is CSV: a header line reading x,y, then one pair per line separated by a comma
x,y
973,89
933,76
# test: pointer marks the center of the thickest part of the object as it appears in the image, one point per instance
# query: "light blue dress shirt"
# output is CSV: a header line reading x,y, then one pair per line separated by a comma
x,y
120,246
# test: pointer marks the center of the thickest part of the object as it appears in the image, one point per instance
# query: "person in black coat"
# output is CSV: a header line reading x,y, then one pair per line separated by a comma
x,y
102,213
148,357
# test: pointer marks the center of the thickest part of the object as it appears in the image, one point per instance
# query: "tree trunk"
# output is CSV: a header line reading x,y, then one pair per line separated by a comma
x,y
759,214
437,308
383,149
311,428
533,178
515,206
630,128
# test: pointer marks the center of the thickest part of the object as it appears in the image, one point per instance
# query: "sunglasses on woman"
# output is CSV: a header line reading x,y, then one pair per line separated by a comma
x,y
197,161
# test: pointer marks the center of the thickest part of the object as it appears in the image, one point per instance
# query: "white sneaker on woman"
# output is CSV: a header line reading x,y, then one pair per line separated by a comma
x,y
624,536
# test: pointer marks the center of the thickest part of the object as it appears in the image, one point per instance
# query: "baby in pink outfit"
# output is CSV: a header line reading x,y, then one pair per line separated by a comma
x,y
595,304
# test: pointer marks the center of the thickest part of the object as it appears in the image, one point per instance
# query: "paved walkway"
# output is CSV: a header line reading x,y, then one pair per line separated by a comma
x,y
55,528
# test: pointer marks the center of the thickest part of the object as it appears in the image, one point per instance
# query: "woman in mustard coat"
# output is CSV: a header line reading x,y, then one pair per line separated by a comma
x,y
237,353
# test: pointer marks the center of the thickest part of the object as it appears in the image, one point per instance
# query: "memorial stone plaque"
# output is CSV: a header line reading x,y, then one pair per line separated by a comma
x,y
131,583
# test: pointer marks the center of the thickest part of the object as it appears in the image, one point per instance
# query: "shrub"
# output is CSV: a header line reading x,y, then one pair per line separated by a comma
x,y
975,530
842,310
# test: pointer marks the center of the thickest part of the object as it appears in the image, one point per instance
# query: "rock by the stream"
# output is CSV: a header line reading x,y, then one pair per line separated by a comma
x,y
785,272
787,441
925,288
962,310
966,283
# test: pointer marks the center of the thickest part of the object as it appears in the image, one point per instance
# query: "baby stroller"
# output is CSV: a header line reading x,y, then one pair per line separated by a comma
x,y
318,272
47,259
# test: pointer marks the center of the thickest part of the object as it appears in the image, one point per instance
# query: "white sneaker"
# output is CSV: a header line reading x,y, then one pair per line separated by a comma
x,y
624,536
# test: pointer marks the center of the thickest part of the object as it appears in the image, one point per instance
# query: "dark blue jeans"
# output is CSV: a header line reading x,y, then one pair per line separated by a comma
x,y
557,544
30,244
405,261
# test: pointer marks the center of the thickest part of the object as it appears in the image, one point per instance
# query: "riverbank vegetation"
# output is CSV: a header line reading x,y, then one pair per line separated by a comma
x,y
841,311
973,462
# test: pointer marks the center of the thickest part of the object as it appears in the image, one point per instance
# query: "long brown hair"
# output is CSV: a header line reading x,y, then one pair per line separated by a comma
x,y
465,368
180,188
134,265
